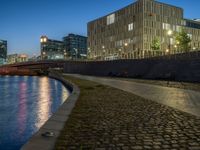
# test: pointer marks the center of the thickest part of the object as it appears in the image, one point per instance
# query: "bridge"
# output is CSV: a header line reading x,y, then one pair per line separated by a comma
x,y
31,68
35,65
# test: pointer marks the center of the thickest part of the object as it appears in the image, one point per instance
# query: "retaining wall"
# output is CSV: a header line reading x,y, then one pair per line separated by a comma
x,y
180,67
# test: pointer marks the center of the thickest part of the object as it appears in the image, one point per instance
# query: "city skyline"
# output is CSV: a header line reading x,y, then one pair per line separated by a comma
x,y
22,22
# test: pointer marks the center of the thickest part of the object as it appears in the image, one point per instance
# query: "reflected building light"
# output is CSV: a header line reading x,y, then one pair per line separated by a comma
x,y
22,114
44,102
65,94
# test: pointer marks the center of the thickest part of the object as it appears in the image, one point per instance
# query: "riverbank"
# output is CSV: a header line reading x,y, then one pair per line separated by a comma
x,y
106,117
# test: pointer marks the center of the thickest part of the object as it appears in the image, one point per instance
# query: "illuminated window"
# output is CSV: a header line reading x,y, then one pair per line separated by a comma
x,y
130,27
166,26
45,39
110,19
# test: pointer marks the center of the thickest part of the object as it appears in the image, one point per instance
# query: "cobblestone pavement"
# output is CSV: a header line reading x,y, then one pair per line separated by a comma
x,y
106,118
182,99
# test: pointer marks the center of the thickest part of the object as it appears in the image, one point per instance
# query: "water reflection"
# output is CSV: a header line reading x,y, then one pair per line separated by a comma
x,y
44,103
26,103
22,107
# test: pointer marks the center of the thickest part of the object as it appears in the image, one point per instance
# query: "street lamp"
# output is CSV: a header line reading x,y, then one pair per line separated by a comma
x,y
169,33
104,51
43,55
125,44
120,53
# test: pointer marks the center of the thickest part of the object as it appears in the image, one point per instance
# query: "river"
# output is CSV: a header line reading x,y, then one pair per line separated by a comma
x,y
26,103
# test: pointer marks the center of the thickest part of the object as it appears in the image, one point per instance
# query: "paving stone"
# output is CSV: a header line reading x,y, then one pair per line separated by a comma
x,y
125,121
137,147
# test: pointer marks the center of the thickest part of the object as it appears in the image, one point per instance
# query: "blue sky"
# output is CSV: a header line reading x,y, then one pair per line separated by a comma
x,y
24,21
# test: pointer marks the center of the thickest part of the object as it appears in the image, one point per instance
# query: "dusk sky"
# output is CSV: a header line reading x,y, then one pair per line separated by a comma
x,y
22,22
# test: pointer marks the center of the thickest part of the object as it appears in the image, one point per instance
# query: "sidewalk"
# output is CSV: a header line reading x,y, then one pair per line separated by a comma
x,y
181,99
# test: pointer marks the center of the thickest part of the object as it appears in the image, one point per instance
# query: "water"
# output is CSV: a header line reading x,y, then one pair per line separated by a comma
x,y
26,103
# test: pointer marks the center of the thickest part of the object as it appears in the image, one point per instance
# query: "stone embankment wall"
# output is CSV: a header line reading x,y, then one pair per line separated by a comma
x,y
180,67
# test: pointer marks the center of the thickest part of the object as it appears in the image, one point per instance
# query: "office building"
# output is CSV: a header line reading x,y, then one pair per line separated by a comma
x,y
17,58
75,45
3,51
129,32
51,49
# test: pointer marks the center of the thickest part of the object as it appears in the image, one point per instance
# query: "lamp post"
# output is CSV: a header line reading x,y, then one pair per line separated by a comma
x,y
177,44
120,53
104,51
167,51
169,33
125,44
43,55
65,53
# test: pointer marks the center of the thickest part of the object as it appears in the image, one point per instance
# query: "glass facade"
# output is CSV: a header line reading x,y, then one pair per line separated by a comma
x,y
51,49
192,24
3,51
75,46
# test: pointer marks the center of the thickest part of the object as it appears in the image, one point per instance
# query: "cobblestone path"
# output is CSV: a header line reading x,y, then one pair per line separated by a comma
x,y
106,118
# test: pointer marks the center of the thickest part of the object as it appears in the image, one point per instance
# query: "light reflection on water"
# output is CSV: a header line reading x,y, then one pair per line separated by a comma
x,y
26,103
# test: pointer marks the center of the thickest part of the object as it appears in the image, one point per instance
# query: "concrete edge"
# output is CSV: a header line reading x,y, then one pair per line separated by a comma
x,y
56,122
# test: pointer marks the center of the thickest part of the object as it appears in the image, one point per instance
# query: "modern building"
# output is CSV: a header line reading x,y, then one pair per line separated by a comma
x,y
75,45
130,31
3,51
51,49
17,58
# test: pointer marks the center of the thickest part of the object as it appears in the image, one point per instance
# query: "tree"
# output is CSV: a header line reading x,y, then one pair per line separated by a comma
x,y
183,40
155,44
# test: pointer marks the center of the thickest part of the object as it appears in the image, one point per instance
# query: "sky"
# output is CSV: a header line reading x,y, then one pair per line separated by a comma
x,y
22,22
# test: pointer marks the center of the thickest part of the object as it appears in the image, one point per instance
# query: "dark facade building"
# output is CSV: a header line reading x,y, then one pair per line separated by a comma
x,y
3,51
75,46
51,49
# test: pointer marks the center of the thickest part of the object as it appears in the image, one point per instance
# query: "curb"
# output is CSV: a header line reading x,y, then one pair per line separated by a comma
x,y
56,122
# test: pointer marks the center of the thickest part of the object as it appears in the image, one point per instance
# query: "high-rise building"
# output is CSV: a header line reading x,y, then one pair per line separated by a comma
x,y
75,45
130,31
3,51
51,49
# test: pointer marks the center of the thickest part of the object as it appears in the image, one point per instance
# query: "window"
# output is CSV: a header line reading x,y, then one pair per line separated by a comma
x,y
130,27
166,26
178,28
110,19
